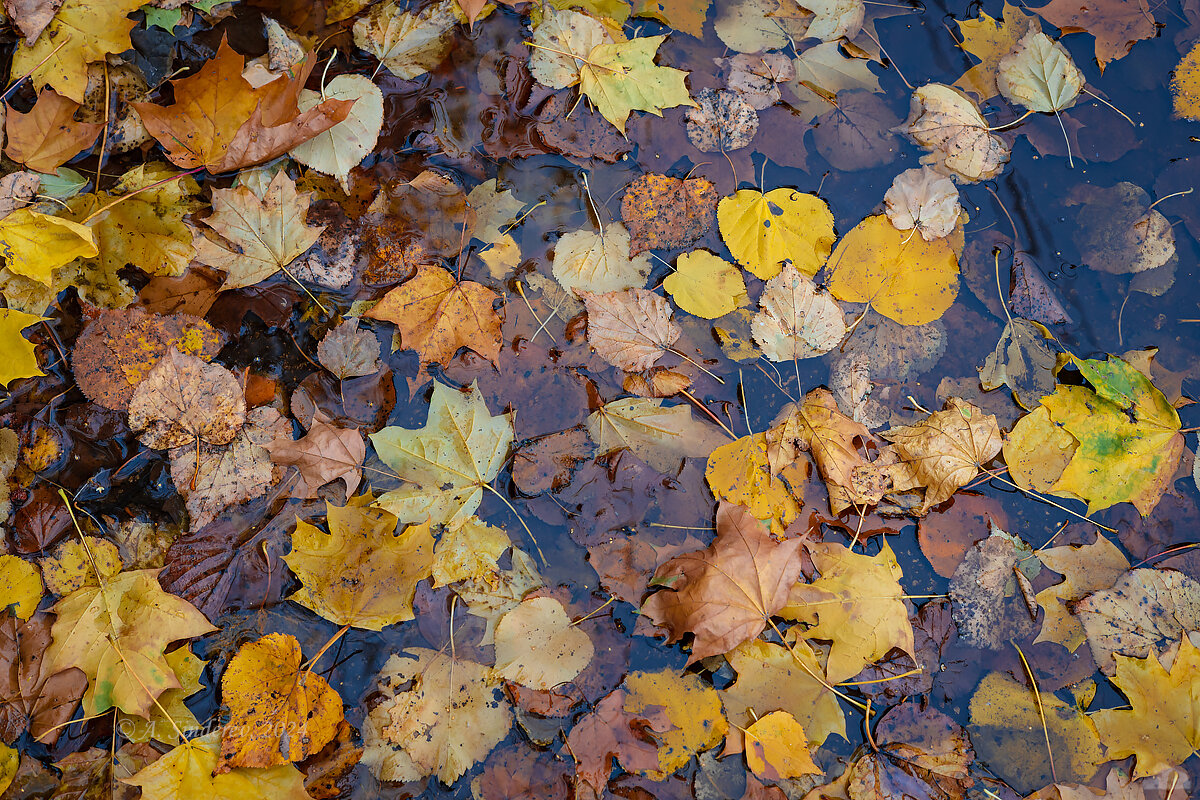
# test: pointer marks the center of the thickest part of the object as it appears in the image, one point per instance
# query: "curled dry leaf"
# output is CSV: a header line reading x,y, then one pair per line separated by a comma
x,y
948,124
1039,74
537,646
630,329
599,261
662,212
326,453
725,594
795,319
184,401
924,199
348,352
722,121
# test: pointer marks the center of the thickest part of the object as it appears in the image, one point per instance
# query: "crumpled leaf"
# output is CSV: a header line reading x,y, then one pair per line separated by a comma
x,y
924,199
187,771
740,472
31,16
436,315
612,733
537,646
116,634
725,594
630,329
1116,25
795,319
1142,614
494,595
34,244
361,573
721,121
947,124
692,706
20,355
989,40
561,45
1039,74
856,603
219,121
448,721
183,401
1162,726
279,712
599,261
947,449
32,697
447,462
48,136
764,230
1086,569
257,237
903,277
1006,730
348,352
833,19
341,148
621,77
212,478
705,285
1021,361
662,212
326,453
660,436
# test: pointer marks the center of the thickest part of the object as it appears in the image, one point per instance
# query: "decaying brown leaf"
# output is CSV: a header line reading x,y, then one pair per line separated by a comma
x,y
185,402
326,453
630,329
348,352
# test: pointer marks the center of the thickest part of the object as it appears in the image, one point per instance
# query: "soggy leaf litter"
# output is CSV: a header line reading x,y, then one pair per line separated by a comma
x,y
514,401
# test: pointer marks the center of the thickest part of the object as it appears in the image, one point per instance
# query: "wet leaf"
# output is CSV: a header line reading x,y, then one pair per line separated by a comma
x,y
757,77
683,15
31,16
705,285
186,771
660,436
1039,74
903,277
341,148
1118,232
920,753
549,462
1116,25
19,353
1021,361
621,77
721,121
824,67
693,708
574,129
989,40
20,586
612,733
537,646
48,136
183,401
408,44
763,230
599,261
279,712
858,132
630,329
795,319
76,563
326,453
1185,86
447,462
257,237
1086,569
740,472
470,551
448,721
561,45
751,26
34,697
496,212
986,608
35,245
725,594
662,212
923,199
948,124
171,713
348,352
777,748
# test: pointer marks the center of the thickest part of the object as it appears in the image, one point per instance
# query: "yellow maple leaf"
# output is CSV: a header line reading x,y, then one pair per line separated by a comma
x,y
691,705
170,715
361,573
20,355
1085,569
740,473
35,244
187,771
621,77
989,40
764,230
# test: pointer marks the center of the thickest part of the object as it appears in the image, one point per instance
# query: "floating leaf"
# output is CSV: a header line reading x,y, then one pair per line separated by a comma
x,y
599,261
721,121
35,244
19,353
621,77
1039,74
662,212
1021,361
795,319
740,472
945,122
659,435
923,199
705,285
1116,24
341,148
537,646
693,707
630,329
1086,569
408,44
989,40
764,230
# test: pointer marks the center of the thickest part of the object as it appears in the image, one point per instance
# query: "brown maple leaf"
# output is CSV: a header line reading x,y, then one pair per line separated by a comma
x,y
611,733
30,697
324,454
221,122
48,136
1116,24
726,593
436,315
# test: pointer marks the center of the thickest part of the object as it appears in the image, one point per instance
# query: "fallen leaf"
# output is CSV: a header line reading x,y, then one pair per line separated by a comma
x,y
348,352
326,453
170,713
705,285
1021,361
1116,26
795,319
80,562
693,707
561,45
611,733
1162,726
341,148
740,472
948,124
183,401
777,748
470,551
946,537
496,211
20,586
117,350
548,463
663,213
48,136
187,771
682,15
35,244
924,199
1006,730
989,40
1185,86
903,277
856,603
257,237
754,26
116,634
721,121
725,594
764,230
32,697
537,646
824,67
1086,569
361,573
493,596
574,129
20,355
660,436
446,463
833,19
858,132
621,77
1118,232
895,352
630,329
918,753
600,261
983,591
436,315
408,44
757,78
1039,74
279,712
449,719
31,16
219,121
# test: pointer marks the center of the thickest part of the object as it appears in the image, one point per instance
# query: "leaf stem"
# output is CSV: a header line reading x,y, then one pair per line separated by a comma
x,y
520,519
1037,695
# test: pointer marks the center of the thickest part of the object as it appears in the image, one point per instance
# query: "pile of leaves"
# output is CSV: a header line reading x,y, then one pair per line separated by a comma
x,y
461,398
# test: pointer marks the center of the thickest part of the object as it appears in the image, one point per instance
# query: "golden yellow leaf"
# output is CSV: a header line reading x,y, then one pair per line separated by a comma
x,y
1085,569
989,40
20,355
621,77
35,244
75,564
706,285
692,706
740,473
20,586
171,714
777,749
902,276
764,230
467,551
278,711
1037,451
361,573
537,646
187,772
1185,85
